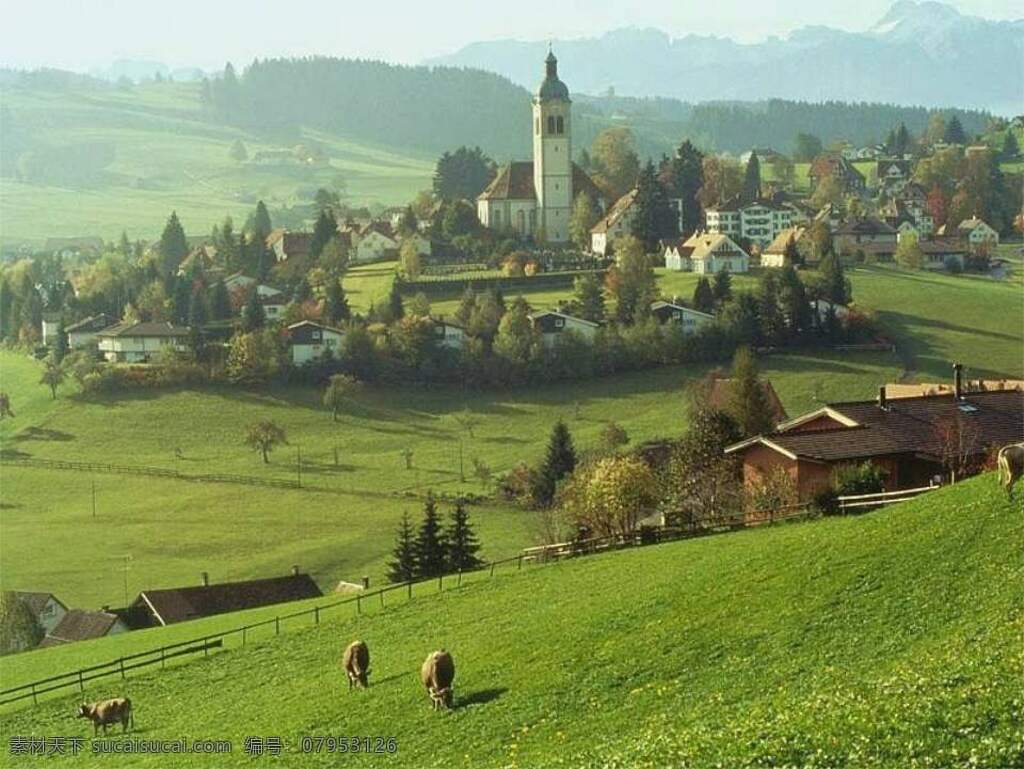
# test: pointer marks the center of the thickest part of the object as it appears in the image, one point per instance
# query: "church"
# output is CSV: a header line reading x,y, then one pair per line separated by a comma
x,y
533,199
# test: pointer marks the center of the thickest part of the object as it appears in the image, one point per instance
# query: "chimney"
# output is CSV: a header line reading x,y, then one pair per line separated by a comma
x,y
958,381
295,570
206,579
883,402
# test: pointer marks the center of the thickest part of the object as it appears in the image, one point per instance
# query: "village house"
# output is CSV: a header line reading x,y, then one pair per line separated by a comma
x,y
617,222
893,175
759,221
910,438
551,324
849,179
202,257
859,231
534,198
139,342
273,305
764,155
45,607
774,254
81,625
687,318
449,334
942,253
83,333
180,604
289,245
71,247
370,242
309,341
706,253
900,215
978,234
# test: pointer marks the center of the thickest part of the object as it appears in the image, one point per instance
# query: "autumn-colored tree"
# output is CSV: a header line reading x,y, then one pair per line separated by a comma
x,y
610,496
264,436
615,162
339,389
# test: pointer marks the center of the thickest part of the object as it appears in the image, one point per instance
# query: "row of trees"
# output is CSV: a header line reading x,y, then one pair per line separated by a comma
x,y
433,549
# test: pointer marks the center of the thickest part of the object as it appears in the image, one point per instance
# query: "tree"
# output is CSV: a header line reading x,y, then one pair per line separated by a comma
x,y
220,301
340,388
430,546
53,375
516,341
615,161
806,148
955,132
631,282
827,191
610,496
238,153
173,245
254,317
461,541
336,309
333,257
59,345
19,628
582,219
748,403
253,357
327,200
261,223
752,179
324,230
396,310
722,288
683,177
458,218
909,253
614,435
264,436
791,254
653,218
408,224
703,296
1011,149
723,180
589,294
463,174
783,170
409,260
559,461
796,308
402,567
833,285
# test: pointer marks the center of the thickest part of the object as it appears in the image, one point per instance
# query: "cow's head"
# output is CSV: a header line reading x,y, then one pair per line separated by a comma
x,y
84,711
442,696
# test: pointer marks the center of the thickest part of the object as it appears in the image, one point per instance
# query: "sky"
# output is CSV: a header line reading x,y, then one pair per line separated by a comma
x,y
83,34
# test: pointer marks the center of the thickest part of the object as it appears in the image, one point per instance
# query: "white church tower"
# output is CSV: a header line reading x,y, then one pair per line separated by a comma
x,y
552,154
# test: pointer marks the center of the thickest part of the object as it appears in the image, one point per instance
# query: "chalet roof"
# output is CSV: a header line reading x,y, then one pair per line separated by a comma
x,y
704,245
619,209
779,243
661,304
295,243
144,329
36,602
548,313
865,225
833,164
941,246
969,225
92,323
905,426
80,625
185,603
515,182
313,324
721,393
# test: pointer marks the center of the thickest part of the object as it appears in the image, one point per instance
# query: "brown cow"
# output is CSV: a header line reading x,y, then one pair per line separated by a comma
x,y
356,661
108,712
438,674
1011,466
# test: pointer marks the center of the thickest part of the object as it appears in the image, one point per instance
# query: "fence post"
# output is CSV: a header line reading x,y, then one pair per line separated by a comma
x,y
316,614
81,683
359,604
492,568
206,647
35,700
381,594
520,562
122,667
410,589
277,626
460,578
440,582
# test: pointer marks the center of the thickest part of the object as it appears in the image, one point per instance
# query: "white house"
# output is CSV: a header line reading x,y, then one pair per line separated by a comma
x,y
273,305
618,221
709,252
677,255
45,607
369,242
309,341
289,245
686,318
449,334
421,241
759,221
240,281
977,233
774,254
138,342
551,324
823,306
83,333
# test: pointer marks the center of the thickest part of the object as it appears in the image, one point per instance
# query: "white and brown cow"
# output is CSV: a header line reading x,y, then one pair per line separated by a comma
x,y
356,662
1011,466
438,675
108,712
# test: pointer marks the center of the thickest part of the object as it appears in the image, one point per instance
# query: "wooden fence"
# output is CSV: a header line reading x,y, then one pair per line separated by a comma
x,y
856,502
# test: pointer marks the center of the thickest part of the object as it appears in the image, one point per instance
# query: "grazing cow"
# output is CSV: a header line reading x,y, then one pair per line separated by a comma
x,y
438,674
1011,466
357,664
108,712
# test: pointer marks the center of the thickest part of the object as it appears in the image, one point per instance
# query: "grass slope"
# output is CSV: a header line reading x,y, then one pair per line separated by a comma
x,y
888,640
168,157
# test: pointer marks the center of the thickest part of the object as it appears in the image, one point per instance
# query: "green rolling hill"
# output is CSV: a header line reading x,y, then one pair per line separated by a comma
x,y
886,640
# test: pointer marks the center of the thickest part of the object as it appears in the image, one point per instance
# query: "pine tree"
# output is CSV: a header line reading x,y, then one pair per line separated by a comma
x,y
181,295
582,219
430,547
748,403
752,179
653,218
955,132
125,246
254,317
684,176
834,286
703,296
793,300
461,540
559,461
336,307
722,288
173,245
326,228
59,347
590,295
402,567
220,301
396,309
1010,149
261,224
238,152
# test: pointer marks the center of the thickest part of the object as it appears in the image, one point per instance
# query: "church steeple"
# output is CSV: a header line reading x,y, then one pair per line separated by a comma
x,y
552,153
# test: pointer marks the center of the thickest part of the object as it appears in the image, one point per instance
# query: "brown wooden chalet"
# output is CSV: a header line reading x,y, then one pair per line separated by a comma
x,y
910,438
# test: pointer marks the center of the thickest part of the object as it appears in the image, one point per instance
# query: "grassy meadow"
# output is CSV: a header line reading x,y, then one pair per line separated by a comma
x,y
167,158
886,640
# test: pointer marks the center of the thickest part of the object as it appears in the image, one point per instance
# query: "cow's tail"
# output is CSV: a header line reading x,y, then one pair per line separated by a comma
x,y
1003,463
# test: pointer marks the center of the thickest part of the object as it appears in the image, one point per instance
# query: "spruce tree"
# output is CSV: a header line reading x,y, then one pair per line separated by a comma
x,y
1011,149
462,542
834,287
254,317
752,179
748,403
396,309
703,296
220,301
261,224
181,295
722,288
173,245
60,344
653,218
402,567
590,295
326,228
430,548
955,132
559,461
336,307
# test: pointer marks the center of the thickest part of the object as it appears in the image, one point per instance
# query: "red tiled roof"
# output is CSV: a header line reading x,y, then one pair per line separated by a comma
x,y
515,182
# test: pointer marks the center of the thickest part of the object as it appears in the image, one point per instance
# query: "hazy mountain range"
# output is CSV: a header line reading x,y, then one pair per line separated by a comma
x,y
922,53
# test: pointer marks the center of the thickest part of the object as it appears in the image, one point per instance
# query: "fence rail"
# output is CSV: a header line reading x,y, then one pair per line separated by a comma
x,y
862,501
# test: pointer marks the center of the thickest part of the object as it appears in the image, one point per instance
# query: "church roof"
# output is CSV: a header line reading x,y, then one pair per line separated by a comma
x,y
551,87
515,182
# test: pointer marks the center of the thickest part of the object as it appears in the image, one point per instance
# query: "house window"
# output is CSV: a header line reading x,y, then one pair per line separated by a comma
x,y
560,125
316,336
551,124
559,322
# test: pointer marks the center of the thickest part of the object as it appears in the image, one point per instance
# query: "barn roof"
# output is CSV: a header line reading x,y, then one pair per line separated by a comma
x,y
80,625
36,602
184,603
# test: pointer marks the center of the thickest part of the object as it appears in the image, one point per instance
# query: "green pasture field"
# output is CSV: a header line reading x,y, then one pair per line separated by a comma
x,y
890,639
